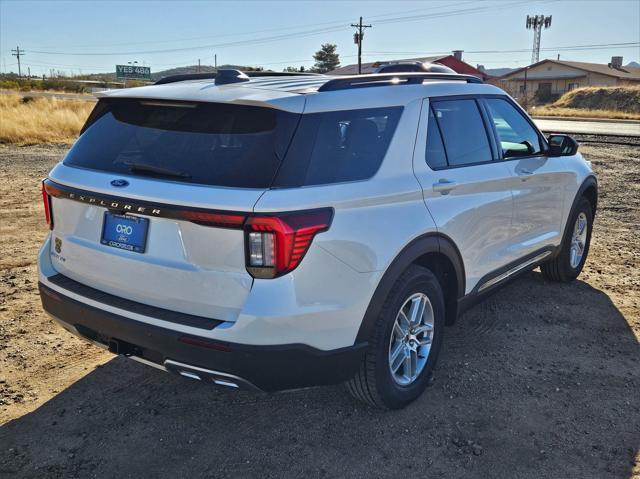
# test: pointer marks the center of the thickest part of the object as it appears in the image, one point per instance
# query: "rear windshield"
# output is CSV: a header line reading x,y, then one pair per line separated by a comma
x,y
207,143
233,145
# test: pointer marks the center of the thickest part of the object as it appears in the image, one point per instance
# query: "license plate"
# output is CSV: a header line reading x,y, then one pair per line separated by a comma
x,y
125,232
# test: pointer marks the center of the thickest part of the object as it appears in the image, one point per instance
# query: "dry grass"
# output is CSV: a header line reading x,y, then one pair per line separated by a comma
x,y
622,102
32,121
550,110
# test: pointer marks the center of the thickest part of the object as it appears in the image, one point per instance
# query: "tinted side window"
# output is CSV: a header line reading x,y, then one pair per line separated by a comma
x,y
434,153
463,132
517,136
338,146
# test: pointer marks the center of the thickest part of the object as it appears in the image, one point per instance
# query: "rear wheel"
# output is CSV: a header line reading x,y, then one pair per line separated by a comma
x,y
405,343
569,263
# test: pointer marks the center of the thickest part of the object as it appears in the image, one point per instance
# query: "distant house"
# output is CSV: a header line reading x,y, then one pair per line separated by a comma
x,y
552,78
453,61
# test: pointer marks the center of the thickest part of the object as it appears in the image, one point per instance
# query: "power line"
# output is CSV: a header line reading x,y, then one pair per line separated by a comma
x,y
335,23
595,46
451,13
285,36
201,47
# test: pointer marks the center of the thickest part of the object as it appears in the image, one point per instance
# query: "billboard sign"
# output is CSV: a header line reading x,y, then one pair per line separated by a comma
x,y
133,72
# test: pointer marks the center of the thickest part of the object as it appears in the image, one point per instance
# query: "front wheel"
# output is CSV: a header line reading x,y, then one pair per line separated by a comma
x,y
405,343
569,263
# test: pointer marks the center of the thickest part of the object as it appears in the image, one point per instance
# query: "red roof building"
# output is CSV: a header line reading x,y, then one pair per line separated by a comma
x,y
453,61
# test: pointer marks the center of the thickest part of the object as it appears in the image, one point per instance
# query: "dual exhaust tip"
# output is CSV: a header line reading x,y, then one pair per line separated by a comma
x,y
208,375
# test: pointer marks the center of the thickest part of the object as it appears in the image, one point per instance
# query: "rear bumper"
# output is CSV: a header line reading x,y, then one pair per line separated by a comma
x,y
268,368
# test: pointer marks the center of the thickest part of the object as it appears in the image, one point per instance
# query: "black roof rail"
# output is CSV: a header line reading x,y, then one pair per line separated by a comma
x,y
263,73
236,73
185,77
386,79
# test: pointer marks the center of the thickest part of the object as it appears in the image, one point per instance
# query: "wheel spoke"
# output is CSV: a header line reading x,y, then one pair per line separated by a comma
x,y
398,331
417,310
397,357
425,341
403,322
408,370
413,357
424,328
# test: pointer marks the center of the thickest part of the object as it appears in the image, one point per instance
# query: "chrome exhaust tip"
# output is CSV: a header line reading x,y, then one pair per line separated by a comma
x,y
208,375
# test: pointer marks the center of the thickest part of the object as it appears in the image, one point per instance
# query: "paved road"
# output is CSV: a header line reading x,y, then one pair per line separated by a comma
x,y
589,127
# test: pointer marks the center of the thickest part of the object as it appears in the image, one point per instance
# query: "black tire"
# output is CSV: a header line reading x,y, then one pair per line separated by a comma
x,y
374,384
560,269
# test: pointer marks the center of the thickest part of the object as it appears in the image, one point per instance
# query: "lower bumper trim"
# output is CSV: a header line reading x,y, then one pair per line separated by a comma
x,y
267,368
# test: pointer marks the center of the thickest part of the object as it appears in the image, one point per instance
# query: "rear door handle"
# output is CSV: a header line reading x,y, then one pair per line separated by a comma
x,y
444,186
525,172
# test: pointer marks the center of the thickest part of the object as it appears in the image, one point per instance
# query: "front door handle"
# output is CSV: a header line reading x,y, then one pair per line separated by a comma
x,y
444,186
525,172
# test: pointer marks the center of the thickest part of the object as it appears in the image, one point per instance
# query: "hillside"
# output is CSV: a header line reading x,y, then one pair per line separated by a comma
x,y
598,102
622,98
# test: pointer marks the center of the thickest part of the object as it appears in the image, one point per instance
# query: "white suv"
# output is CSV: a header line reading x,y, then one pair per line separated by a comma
x,y
278,232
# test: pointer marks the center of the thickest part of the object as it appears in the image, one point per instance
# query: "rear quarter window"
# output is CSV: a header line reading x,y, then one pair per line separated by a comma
x,y
338,146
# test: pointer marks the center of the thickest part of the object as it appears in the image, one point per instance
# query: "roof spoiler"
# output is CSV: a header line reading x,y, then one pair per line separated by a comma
x,y
387,79
225,76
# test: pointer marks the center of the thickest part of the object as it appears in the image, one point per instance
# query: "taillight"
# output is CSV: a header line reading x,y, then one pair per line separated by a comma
x,y
46,200
276,244
221,220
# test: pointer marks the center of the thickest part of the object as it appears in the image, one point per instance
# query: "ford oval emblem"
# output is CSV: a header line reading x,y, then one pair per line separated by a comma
x,y
119,183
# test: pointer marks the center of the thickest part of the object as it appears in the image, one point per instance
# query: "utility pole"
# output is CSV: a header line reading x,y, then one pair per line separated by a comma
x,y
526,93
215,61
357,39
198,65
537,23
18,53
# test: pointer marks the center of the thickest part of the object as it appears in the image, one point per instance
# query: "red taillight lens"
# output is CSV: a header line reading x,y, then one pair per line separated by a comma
x,y
276,244
221,220
46,200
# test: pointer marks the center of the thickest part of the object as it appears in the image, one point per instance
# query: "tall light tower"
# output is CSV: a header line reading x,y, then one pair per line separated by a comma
x,y
537,23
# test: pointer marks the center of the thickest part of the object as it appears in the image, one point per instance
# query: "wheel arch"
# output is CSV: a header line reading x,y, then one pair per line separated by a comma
x,y
589,190
434,251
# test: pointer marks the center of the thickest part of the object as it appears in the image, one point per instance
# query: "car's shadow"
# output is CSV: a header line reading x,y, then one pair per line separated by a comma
x,y
540,380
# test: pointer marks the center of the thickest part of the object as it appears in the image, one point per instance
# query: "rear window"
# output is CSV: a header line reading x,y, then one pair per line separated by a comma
x,y
338,146
206,143
463,132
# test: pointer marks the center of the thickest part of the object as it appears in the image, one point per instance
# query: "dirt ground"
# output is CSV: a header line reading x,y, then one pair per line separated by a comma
x,y
540,380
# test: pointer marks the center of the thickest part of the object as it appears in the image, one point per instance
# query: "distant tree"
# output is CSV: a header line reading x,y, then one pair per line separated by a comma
x,y
294,69
326,58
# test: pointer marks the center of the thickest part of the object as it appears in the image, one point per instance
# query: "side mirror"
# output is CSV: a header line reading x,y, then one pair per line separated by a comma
x,y
562,145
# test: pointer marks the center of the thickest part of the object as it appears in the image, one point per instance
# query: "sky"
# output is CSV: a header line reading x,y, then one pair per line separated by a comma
x,y
93,36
